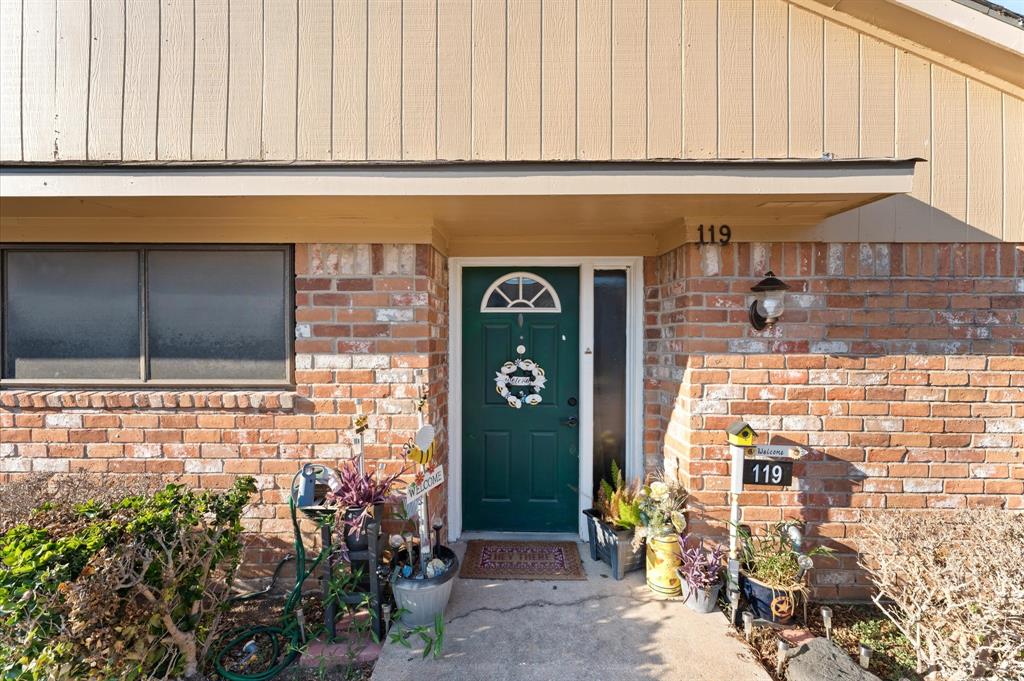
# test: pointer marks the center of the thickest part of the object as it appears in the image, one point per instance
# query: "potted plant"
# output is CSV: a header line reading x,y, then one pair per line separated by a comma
x,y
701,574
772,570
612,522
358,494
421,595
662,518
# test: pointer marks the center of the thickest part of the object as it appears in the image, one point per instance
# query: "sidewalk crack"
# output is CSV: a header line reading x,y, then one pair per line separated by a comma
x,y
540,603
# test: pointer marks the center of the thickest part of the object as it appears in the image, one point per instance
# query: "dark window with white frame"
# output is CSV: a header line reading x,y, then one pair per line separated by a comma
x,y
153,315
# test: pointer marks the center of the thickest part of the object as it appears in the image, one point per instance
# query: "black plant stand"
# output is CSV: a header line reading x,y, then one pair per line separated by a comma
x,y
371,559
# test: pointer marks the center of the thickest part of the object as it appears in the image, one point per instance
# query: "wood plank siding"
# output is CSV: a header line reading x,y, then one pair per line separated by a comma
x,y
170,81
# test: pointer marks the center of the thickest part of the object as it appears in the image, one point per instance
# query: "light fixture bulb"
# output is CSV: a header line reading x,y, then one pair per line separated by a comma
x,y
773,304
769,303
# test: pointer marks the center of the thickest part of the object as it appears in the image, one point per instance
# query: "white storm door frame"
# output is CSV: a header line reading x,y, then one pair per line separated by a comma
x,y
634,370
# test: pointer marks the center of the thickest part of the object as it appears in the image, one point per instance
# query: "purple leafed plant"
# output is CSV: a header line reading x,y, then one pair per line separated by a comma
x,y
701,569
361,491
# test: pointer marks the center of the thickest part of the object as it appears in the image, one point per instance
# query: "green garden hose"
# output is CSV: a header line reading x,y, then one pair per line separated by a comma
x,y
290,628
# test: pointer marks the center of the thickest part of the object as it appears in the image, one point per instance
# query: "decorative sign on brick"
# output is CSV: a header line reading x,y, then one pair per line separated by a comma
x,y
419,487
774,450
767,472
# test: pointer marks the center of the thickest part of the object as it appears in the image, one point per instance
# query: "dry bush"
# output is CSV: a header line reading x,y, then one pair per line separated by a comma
x,y
20,499
123,585
953,583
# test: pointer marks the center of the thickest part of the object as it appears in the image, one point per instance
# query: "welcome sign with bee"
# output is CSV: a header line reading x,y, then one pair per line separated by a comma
x,y
421,448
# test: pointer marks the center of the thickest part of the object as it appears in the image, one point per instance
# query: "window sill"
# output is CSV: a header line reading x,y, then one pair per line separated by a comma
x,y
141,398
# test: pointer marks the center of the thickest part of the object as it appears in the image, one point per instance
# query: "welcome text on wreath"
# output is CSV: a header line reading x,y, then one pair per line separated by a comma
x,y
532,378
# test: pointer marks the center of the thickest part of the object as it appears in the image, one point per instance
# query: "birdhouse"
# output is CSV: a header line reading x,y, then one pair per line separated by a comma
x,y
741,434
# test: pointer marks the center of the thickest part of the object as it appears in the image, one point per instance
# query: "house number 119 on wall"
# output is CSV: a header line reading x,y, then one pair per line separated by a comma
x,y
714,235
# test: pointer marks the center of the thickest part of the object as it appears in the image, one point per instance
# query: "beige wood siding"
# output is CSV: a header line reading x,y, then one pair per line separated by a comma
x,y
422,80
10,79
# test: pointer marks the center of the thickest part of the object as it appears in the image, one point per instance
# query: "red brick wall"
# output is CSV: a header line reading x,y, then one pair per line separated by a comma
x,y
371,323
898,367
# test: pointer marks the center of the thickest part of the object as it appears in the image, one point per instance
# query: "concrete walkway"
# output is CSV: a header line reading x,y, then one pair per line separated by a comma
x,y
568,631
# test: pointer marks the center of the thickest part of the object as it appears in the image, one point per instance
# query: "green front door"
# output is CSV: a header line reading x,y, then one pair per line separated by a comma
x,y
520,465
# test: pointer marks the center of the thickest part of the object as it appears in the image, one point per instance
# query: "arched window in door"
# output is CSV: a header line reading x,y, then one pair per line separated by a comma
x,y
520,292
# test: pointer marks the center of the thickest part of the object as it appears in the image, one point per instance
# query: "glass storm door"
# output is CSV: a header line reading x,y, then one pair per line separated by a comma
x,y
520,414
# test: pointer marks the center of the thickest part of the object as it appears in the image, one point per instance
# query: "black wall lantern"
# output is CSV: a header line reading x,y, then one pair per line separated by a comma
x,y
770,302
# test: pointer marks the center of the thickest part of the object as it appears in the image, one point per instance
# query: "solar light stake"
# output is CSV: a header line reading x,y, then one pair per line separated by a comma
x,y
734,604
748,624
436,526
865,656
782,653
826,618
300,619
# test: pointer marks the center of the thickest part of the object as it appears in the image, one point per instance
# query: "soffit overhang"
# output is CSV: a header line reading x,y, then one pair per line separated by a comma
x,y
954,29
643,207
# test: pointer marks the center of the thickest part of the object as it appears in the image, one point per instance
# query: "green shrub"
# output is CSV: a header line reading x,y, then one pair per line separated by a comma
x,y
127,589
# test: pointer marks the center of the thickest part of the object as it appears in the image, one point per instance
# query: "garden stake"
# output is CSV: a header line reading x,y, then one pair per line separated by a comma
x,y
423,511
437,531
408,547
782,653
357,441
737,450
748,624
865,656
826,617
736,488
300,619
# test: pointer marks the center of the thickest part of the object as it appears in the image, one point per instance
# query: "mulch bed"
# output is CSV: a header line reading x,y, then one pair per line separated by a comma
x,y
892,658
547,560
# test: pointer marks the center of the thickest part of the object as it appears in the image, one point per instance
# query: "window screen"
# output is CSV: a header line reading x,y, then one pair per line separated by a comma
x,y
172,315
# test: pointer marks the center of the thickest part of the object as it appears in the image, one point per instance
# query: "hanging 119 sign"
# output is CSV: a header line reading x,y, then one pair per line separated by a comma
x,y
767,472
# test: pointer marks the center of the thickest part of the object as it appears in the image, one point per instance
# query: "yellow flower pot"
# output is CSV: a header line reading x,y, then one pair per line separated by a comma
x,y
663,557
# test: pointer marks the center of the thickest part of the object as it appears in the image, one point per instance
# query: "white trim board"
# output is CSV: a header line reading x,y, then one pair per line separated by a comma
x,y
634,371
794,177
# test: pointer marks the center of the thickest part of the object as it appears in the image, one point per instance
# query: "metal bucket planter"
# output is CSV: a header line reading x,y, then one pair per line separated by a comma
x,y
769,603
612,546
424,599
663,559
700,600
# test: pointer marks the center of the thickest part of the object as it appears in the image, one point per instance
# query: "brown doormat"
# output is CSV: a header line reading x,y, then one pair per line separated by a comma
x,y
543,560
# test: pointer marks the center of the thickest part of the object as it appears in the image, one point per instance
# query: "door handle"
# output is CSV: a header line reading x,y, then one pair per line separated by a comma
x,y
572,422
